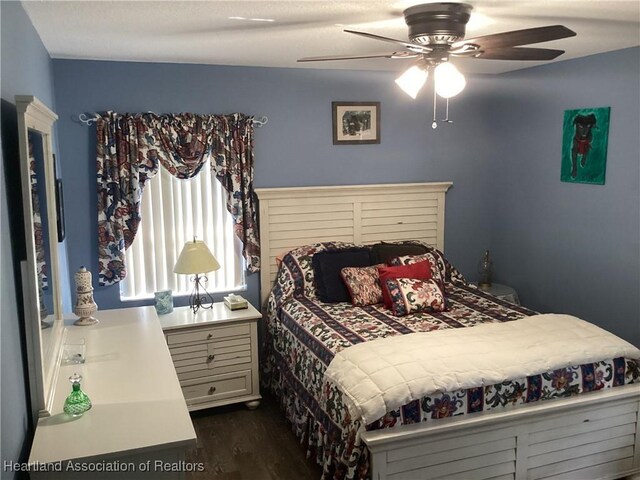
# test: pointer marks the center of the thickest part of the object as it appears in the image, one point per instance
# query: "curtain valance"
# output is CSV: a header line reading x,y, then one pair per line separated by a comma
x,y
130,148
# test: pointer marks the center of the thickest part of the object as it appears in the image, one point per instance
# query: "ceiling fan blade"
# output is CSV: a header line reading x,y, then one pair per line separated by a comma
x,y
519,53
518,37
402,54
411,46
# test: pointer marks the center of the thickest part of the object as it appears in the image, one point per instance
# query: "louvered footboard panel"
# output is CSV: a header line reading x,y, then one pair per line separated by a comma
x,y
592,436
460,457
583,445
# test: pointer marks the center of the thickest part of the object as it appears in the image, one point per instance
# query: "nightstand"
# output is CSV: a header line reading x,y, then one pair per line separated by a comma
x,y
215,354
503,292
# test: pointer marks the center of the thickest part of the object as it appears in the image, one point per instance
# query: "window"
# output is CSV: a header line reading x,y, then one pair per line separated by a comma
x,y
173,211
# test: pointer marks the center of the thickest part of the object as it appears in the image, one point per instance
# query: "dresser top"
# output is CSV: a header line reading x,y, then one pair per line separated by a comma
x,y
219,314
130,378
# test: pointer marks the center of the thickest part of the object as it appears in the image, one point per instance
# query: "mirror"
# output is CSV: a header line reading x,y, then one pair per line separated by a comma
x,y
40,273
40,229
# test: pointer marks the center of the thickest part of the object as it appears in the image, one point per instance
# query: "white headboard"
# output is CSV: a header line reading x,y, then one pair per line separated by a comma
x,y
292,217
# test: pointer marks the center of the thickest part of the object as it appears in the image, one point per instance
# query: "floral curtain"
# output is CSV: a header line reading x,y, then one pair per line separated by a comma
x,y
233,167
124,164
129,151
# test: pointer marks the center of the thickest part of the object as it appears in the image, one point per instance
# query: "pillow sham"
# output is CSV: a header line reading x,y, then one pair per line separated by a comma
x,y
327,266
280,257
419,270
437,272
295,275
363,284
440,267
383,252
412,295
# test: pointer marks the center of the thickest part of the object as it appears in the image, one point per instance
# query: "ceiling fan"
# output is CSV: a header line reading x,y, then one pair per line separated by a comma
x,y
436,34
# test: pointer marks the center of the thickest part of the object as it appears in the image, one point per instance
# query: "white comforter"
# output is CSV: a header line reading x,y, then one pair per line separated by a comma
x,y
384,374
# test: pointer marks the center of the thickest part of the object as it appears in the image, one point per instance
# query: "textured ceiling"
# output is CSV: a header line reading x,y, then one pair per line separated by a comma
x,y
276,33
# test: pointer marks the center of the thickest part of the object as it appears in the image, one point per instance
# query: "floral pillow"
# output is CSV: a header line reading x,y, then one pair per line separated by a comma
x,y
412,295
420,270
363,284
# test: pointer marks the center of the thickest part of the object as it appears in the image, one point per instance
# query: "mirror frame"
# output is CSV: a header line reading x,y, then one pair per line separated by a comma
x,y
43,362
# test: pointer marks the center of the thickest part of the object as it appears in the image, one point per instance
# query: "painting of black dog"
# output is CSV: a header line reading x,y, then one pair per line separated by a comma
x,y
581,141
584,151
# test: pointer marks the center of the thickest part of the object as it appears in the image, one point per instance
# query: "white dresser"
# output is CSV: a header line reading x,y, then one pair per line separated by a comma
x,y
138,426
215,353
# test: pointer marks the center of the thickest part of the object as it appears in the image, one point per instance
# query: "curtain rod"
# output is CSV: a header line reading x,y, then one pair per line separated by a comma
x,y
87,120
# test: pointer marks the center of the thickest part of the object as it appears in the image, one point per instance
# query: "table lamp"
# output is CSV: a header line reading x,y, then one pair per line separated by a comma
x,y
485,269
196,259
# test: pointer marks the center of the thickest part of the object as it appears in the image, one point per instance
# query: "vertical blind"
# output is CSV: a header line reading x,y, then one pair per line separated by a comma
x,y
173,211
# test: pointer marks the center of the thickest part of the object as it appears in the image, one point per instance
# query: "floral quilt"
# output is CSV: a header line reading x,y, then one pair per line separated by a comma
x,y
303,335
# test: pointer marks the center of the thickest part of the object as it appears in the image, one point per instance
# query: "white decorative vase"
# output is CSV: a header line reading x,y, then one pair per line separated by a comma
x,y
85,306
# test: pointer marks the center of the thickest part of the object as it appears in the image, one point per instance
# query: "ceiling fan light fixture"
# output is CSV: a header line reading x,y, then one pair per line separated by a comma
x,y
449,81
412,80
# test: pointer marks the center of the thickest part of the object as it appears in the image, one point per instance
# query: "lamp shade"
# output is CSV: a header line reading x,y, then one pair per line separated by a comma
x,y
449,81
412,80
196,258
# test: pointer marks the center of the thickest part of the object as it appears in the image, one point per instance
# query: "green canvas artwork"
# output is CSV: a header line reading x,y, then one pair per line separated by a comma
x,y
585,135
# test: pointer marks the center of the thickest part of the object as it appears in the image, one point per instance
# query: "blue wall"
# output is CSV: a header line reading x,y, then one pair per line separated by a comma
x,y
26,69
567,247
295,148
550,240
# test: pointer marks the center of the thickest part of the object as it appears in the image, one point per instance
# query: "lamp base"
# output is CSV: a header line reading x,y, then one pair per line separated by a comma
x,y
199,300
86,321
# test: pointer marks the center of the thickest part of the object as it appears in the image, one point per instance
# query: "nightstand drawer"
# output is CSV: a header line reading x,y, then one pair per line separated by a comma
x,y
208,334
217,359
204,350
186,376
204,365
189,351
218,387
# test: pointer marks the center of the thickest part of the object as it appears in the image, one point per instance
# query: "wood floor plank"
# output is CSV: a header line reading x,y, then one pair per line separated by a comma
x,y
235,443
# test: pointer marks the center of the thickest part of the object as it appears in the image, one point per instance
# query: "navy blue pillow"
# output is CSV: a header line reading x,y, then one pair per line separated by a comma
x,y
326,272
384,252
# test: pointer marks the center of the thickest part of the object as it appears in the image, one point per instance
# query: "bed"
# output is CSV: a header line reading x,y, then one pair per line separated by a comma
x,y
584,428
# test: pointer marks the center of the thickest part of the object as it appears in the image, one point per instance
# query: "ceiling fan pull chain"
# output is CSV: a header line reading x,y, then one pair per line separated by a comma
x,y
446,113
446,116
434,125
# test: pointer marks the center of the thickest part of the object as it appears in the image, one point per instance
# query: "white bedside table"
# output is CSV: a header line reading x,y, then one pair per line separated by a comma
x,y
503,292
215,353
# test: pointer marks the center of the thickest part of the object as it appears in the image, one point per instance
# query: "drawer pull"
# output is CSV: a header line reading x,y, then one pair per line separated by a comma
x,y
210,335
210,358
211,390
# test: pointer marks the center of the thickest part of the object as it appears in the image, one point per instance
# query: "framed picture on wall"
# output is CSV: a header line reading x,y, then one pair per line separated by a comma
x,y
59,203
60,210
356,123
585,136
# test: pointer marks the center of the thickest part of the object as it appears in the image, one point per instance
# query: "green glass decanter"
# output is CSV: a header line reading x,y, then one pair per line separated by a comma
x,y
77,402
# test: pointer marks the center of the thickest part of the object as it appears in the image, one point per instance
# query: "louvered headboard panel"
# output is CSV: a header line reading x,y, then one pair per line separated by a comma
x,y
291,217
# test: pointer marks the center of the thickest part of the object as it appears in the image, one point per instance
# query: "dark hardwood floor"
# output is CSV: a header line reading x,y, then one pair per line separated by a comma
x,y
235,443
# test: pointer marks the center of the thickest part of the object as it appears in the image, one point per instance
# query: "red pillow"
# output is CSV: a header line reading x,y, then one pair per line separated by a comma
x,y
419,270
